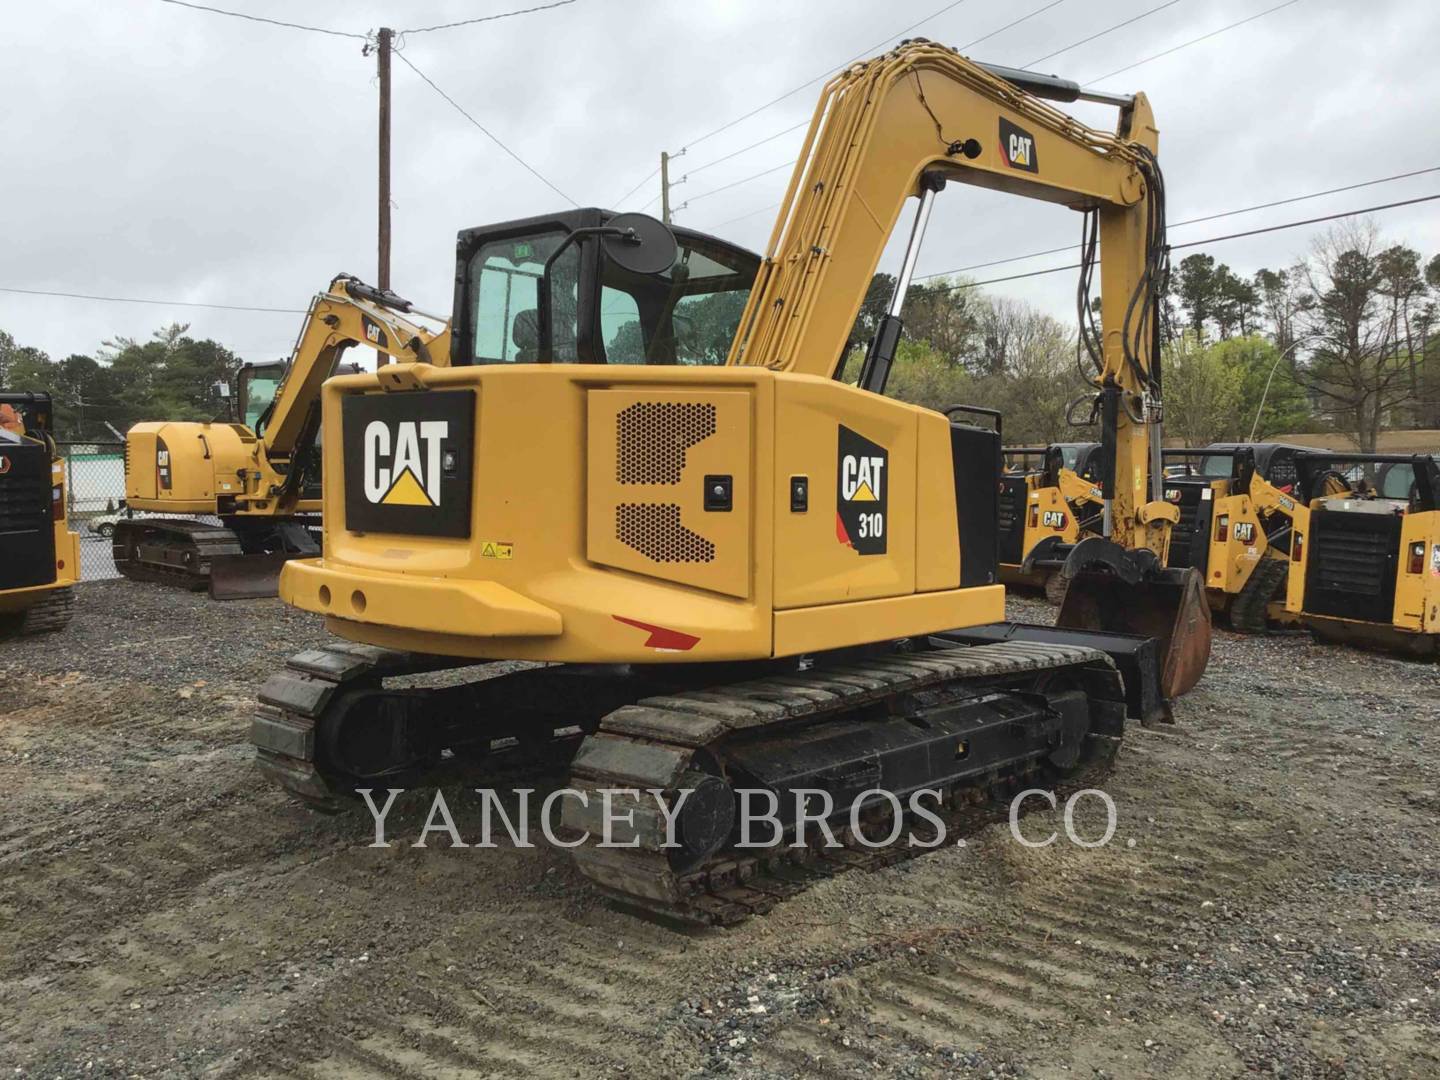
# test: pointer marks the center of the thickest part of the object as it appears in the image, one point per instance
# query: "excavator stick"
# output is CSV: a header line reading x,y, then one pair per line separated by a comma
x,y
1128,592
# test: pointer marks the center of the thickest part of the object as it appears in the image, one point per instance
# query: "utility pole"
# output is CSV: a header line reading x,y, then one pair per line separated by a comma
x,y
665,187
385,36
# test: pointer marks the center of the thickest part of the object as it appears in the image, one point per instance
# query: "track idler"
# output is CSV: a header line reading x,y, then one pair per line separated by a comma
x,y
1115,589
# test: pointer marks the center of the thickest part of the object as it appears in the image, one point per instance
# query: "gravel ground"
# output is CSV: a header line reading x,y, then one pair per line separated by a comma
x,y
1270,902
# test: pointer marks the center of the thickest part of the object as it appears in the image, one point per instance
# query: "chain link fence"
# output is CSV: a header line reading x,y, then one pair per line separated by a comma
x,y
94,501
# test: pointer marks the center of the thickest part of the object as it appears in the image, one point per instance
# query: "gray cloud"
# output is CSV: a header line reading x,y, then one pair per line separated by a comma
x,y
158,152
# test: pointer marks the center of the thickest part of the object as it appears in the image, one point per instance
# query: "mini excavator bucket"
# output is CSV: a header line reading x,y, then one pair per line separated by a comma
x,y
1129,592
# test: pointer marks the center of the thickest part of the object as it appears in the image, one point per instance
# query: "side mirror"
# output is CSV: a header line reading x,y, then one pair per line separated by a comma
x,y
638,243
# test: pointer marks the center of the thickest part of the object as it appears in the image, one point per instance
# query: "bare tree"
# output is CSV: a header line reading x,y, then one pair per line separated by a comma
x,y
1403,284
1030,371
1283,299
1356,364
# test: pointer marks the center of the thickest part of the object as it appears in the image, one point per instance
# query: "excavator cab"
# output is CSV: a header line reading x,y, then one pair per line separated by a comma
x,y
256,387
593,287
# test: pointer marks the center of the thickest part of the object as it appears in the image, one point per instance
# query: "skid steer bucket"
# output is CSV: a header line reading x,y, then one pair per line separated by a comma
x,y
1129,592
246,577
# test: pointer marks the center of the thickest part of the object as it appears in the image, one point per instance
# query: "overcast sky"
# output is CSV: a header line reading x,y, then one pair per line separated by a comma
x,y
159,152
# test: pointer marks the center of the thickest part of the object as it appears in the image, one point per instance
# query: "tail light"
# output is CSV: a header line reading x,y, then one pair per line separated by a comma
x,y
1222,528
1417,558
1034,516
57,503
1297,547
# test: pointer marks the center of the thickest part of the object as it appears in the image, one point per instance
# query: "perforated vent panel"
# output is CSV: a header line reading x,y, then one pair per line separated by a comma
x,y
654,530
652,438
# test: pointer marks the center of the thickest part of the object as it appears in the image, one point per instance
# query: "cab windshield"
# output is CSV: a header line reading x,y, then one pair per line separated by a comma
x,y
1216,465
687,315
258,385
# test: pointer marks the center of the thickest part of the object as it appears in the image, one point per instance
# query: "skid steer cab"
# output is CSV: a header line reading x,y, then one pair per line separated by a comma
x,y
1365,550
1048,496
1236,504
41,555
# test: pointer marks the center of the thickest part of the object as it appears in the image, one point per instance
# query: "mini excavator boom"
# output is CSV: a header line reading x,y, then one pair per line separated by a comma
x,y
262,482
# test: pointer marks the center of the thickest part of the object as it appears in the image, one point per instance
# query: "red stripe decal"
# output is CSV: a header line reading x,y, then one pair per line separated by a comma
x,y
661,637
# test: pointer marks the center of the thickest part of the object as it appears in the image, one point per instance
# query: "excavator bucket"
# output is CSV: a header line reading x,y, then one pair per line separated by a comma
x,y
246,577
1128,592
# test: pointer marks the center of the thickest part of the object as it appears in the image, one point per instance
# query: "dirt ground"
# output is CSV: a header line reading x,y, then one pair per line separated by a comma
x,y
1270,902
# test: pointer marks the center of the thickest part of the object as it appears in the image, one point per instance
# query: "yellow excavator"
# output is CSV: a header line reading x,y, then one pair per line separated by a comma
x,y
42,555
643,466
249,489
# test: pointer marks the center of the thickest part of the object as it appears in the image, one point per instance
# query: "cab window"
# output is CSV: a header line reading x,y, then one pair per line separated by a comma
x,y
687,315
504,288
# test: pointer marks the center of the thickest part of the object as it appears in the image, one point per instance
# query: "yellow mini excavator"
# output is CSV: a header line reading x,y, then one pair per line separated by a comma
x,y
41,555
744,572
258,475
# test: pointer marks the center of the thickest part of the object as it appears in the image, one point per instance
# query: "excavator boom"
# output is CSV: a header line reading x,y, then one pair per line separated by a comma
x,y
260,482
905,124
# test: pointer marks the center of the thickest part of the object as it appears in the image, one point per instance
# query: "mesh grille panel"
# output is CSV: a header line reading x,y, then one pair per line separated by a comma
x,y
654,530
652,438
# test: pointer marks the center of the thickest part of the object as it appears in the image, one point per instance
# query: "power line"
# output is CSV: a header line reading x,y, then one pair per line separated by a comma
x,y
487,18
1194,220
752,213
752,146
795,127
260,19
1193,41
1012,25
163,303
824,74
737,183
1211,240
654,173
1102,33
486,131
950,288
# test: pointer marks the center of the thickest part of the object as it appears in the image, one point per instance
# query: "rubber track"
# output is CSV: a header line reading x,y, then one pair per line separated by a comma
x,y
1248,609
651,744
50,614
292,703
203,539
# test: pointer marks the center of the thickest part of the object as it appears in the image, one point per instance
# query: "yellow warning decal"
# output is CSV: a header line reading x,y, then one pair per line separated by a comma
x,y
406,491
497,549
